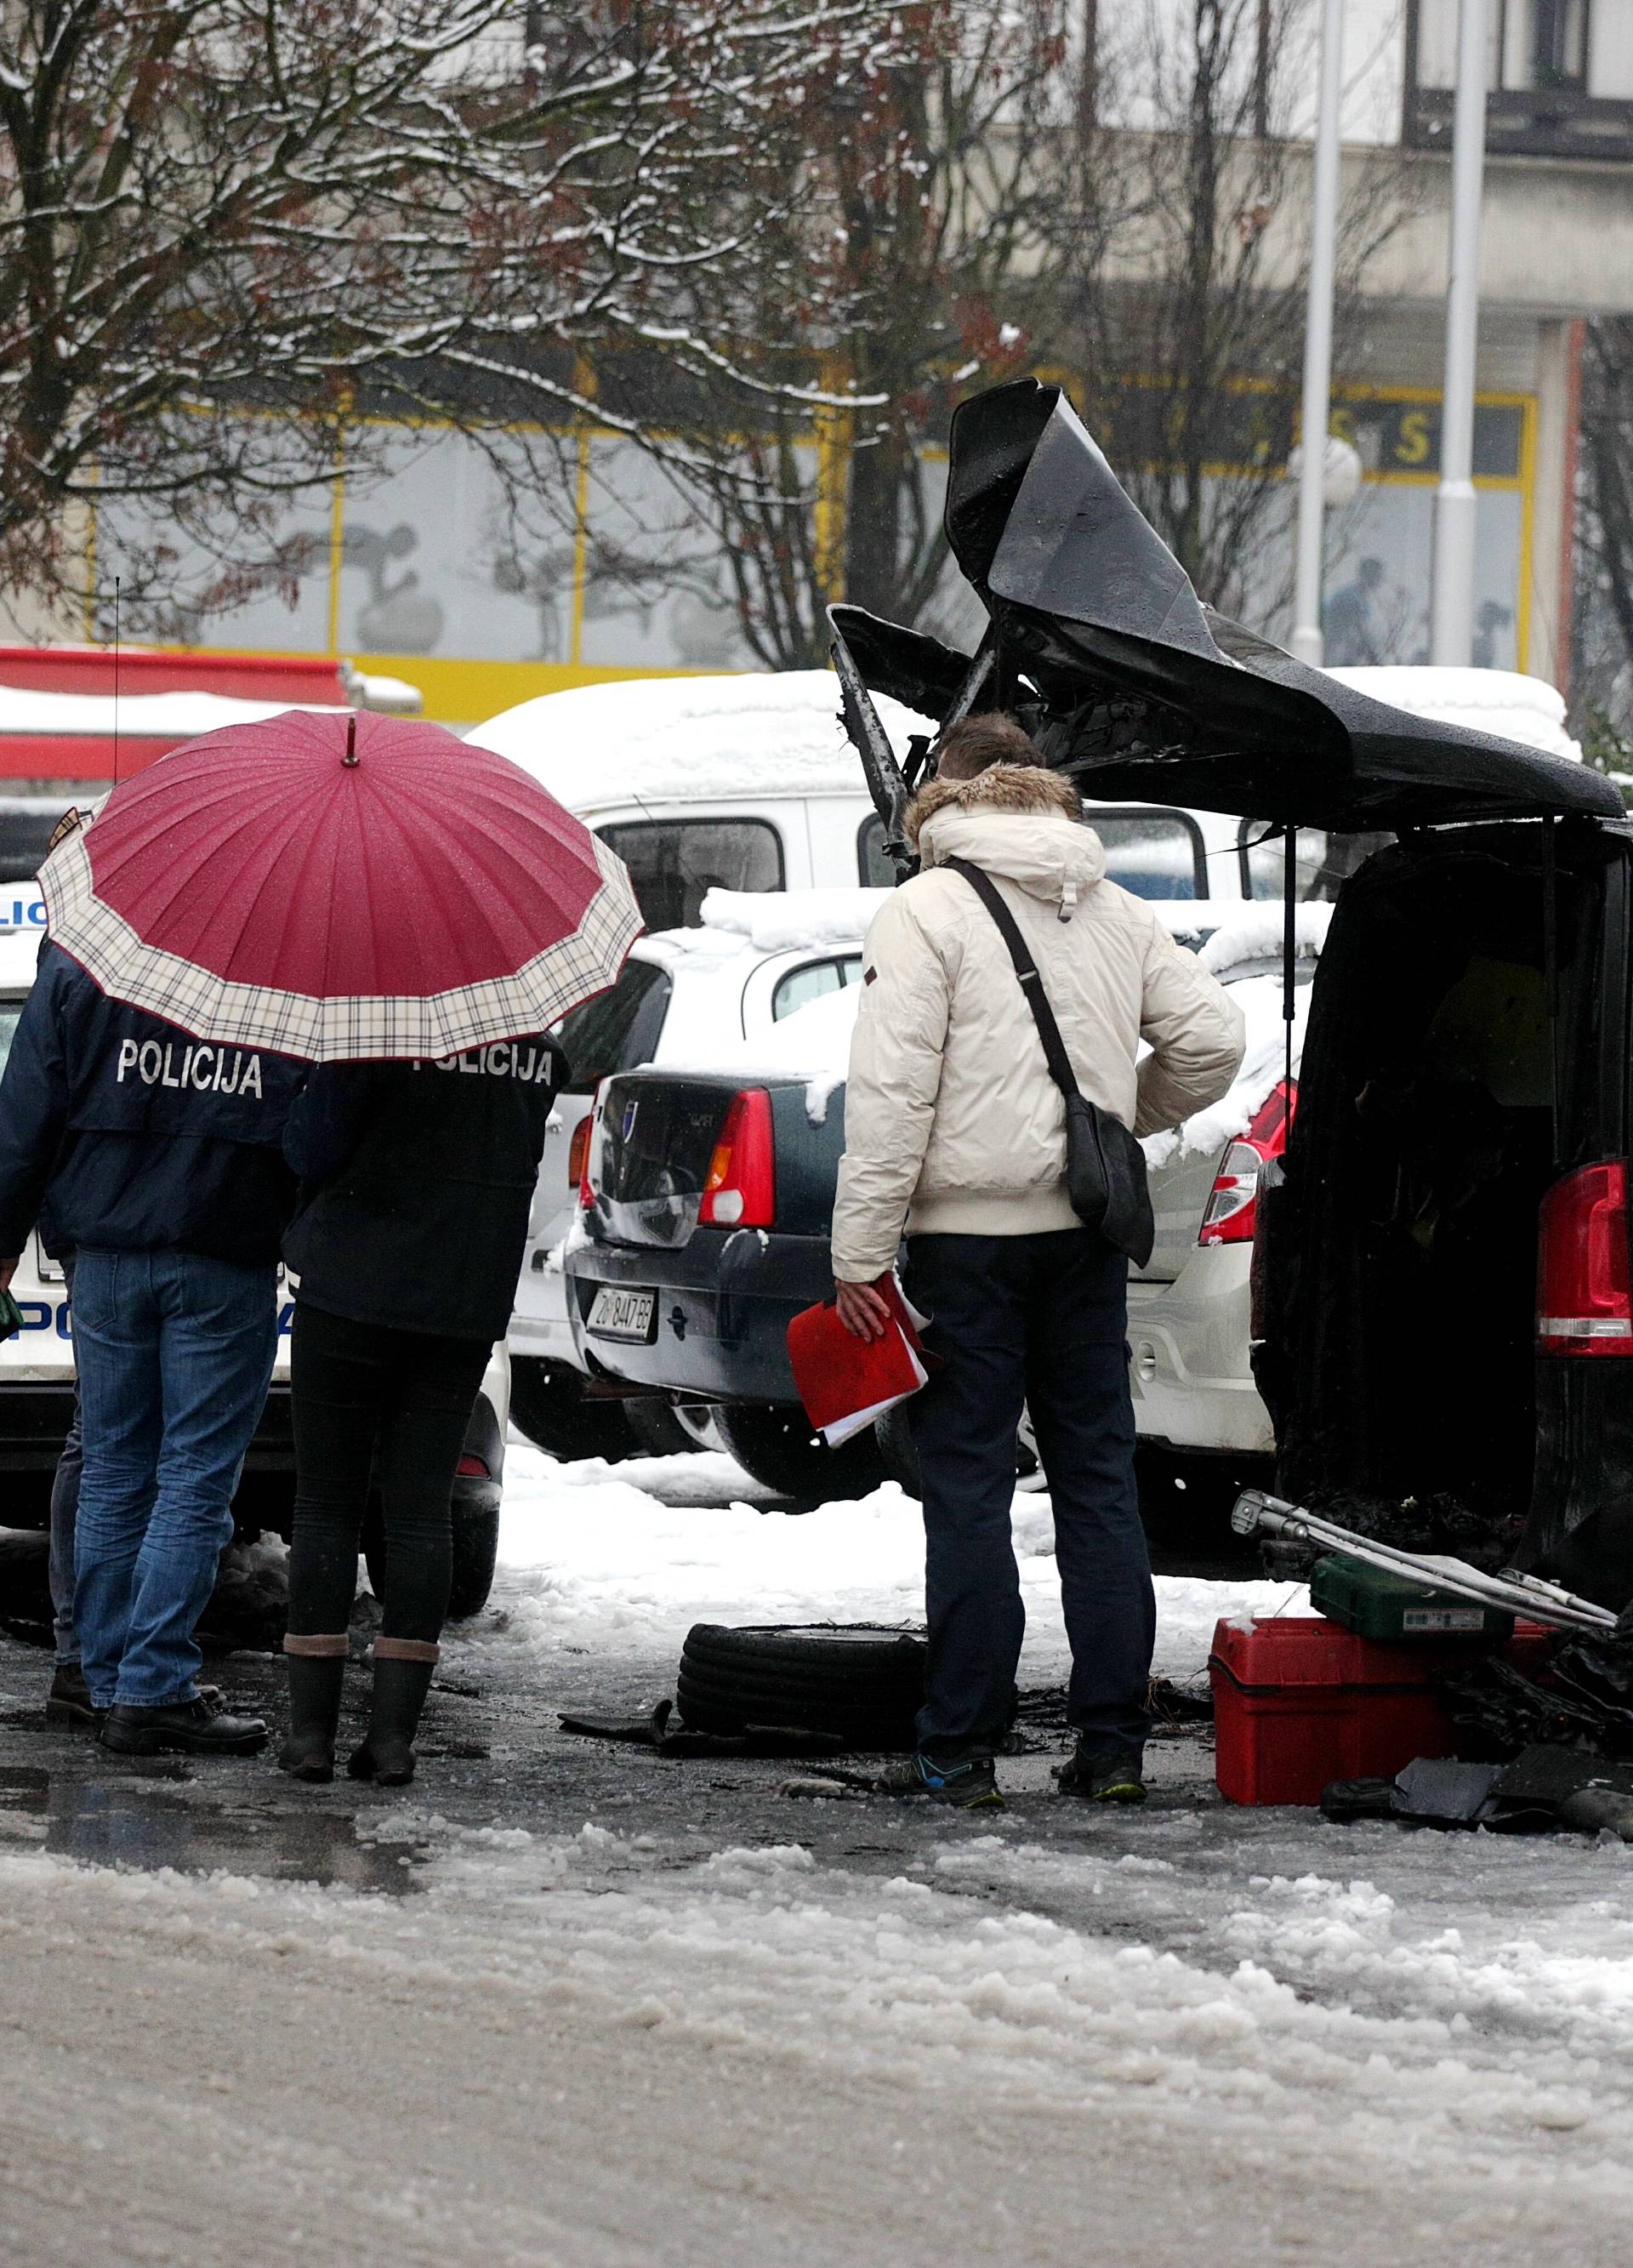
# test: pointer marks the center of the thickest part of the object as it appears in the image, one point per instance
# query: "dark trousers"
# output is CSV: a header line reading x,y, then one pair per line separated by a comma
x,y
390,1408
1040,1321
64,1513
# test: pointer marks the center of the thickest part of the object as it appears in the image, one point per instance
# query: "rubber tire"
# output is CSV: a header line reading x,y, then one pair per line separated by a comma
x,y
475,1551
776,1444
550,1404
862,1685
655,1429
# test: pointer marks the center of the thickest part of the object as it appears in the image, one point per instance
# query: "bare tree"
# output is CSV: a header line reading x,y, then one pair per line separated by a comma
x,y
907,201
226,226
1180,267
1601,661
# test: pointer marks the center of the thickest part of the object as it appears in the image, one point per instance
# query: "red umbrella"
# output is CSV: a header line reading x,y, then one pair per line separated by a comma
x,y
341,887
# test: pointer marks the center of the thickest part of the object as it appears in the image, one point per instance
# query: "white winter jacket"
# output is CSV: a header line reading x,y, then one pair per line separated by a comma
x,y
952,1123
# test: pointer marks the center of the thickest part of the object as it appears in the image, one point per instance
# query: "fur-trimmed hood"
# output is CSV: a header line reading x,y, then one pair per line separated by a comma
x,y
1025,788
1017,821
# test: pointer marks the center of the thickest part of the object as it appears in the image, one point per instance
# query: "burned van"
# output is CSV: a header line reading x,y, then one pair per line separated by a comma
x,y
1444,1317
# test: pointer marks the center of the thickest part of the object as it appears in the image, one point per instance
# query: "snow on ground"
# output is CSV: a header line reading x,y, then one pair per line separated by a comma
x,y
716,2021
590,1556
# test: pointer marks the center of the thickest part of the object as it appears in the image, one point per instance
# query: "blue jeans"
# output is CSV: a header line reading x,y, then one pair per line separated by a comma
x,y
175,1352
1040,1320
64,1510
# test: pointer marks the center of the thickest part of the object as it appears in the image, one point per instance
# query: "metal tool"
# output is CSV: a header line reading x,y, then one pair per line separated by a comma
x,y
1258,1513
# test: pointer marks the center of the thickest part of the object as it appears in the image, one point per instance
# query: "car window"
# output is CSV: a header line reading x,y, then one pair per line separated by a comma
x,y
1324,861
1154,854
616,1030
9,1010
810,983
27,824
674,862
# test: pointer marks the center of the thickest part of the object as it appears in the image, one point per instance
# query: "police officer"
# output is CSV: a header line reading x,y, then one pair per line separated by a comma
x,y
416,1182
160,1160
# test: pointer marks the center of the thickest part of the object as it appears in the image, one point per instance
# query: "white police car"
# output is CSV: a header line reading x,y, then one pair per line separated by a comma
x,y
37,1371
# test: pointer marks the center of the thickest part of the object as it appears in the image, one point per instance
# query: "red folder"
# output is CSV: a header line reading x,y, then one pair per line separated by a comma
x,y
846,1382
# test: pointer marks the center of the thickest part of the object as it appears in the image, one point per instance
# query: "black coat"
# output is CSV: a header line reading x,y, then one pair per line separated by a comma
x,y
416,1182
120,1133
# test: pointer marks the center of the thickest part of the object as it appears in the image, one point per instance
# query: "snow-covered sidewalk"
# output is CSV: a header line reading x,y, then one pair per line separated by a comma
x,y
736,2026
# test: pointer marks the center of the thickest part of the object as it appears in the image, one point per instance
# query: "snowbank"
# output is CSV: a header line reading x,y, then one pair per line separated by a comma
x,y
625,1558
1500,700
690,738
784,921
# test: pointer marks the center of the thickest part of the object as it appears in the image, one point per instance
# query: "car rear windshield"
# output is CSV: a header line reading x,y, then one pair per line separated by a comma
x,y
9,1010
1323,861
617,1029
1154,854
674,862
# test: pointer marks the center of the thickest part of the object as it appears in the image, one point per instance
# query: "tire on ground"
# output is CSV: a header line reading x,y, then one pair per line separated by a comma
x,y
862,1683
550,1404
777,1445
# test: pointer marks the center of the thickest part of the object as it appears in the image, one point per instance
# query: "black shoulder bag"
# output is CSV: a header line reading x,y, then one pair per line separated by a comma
x,y
1105,1165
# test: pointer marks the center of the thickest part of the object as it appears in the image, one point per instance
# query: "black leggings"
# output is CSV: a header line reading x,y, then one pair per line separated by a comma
x,y
391,1407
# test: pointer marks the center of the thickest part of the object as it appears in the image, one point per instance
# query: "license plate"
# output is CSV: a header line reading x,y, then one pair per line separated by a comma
x,y
615,1313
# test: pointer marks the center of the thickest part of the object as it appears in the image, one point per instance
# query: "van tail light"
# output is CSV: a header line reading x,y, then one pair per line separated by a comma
x,y
741,1191
1230,1216
1585,1302
471,1467
578,1158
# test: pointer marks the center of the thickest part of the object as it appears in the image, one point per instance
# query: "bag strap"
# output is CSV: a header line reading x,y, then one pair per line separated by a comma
x,y
1027,969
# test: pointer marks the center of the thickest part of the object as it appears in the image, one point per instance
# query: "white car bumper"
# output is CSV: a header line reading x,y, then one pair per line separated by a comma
x,y
1188,1358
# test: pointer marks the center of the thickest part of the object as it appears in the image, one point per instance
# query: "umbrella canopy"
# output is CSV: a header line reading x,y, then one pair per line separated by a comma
x,y
342,889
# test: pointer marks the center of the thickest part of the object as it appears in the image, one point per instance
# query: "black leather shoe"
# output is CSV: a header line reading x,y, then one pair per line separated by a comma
x,y
191,1728
68,1701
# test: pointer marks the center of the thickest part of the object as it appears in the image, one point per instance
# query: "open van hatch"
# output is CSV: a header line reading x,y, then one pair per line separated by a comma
x,y
1465,1075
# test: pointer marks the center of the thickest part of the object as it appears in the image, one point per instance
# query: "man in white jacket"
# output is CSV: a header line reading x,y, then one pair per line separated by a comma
x,y
955,1131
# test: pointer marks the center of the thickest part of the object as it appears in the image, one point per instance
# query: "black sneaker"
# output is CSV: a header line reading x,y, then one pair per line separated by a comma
x,y
1103,1775
68,1701
191,1728
969,1787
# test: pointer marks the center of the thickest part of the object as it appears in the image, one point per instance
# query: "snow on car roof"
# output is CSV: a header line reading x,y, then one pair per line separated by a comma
x,y
689,737
784,921
1255,932
1500,700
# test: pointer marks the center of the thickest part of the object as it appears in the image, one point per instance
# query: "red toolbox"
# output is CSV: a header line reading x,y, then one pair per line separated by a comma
x,y
1299,1701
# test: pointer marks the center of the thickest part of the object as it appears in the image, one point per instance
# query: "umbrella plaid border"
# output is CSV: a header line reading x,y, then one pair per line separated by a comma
x,y
366,1027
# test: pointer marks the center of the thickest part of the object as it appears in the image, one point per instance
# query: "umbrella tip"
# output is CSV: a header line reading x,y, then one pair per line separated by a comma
x,y
350,756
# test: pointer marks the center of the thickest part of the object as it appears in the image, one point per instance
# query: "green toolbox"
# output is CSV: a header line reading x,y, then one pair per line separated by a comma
x,y
1371,1604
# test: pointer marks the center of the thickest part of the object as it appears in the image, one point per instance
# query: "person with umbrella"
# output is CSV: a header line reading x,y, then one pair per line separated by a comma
x,y
380,901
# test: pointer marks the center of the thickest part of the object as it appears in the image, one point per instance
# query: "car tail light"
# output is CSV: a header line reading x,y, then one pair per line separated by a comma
x,y
471,1467
1231,1212
578,1157
741,1191
1585,1303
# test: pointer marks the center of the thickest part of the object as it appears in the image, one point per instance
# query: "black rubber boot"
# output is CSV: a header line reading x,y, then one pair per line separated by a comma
x,y
314,1690
386,1755
68,1701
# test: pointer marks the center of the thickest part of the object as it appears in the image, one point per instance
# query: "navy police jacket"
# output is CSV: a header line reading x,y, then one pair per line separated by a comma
x,y
416,1183
118,1132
